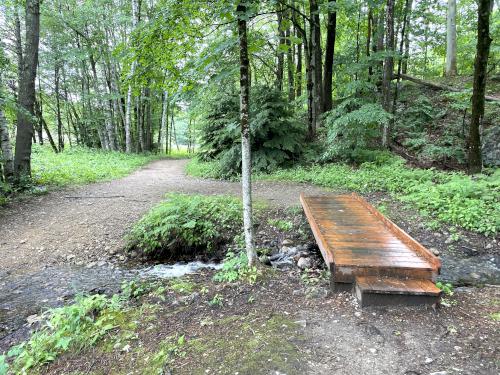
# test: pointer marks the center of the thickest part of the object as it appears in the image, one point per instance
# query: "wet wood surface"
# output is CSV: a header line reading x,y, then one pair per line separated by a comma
x,y
357,240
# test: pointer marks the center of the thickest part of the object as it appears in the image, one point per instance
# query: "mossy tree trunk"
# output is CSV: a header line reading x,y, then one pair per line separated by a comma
x,y
480,72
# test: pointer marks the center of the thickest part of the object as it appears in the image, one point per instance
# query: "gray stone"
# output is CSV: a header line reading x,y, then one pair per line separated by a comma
x,y
302,323
491,147
304,263
439,373
434,251
287,242
288,250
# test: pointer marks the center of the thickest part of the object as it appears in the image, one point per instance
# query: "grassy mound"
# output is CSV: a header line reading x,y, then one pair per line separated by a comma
x,y
187,224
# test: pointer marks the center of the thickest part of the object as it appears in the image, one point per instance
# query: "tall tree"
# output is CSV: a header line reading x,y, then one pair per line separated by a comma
x,y
329,54
26,91
451,39
128,111
315,64
480,72
241,12
388,68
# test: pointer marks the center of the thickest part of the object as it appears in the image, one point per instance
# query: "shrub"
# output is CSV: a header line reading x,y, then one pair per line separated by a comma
x,y
277,139
236,268
187,224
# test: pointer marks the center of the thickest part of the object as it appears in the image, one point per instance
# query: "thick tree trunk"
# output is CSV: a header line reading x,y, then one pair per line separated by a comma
x,y
7,156
26,96
451,39
246,168
480,72
329,54
388,69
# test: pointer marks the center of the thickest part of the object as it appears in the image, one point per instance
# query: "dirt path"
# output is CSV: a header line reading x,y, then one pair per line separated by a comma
x,y
69,241
82,225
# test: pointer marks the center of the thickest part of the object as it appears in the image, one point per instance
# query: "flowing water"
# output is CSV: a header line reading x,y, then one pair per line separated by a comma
x,y
23,297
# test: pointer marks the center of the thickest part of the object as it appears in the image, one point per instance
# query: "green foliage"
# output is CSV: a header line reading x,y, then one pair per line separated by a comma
x,y
446,288
205,169
79,165
187,223
469,202
353,127
282,225
170,348
182,286
277,139
75,326
235,268
216,301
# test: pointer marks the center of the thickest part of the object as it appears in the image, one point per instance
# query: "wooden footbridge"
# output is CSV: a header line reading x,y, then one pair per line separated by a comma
x,y
370,255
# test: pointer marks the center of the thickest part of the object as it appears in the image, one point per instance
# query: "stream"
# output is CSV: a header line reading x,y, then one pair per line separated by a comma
x,y
23,297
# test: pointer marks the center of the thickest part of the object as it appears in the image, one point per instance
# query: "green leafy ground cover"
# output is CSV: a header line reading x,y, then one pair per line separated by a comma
x,y
472,203
187,223
79,165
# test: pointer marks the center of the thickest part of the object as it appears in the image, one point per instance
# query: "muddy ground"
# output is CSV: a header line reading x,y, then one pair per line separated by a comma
x,y
71,240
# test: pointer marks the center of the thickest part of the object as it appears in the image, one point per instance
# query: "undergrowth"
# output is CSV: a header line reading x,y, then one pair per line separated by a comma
x,y
80,165
444,197
72,327
235,268
470,202
187,223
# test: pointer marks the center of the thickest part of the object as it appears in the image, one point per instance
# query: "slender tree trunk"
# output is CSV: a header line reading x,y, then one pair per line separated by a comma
x,y
164,120
358,27
388,69
329,54
7,156
369,40
480,73
128,138
246,169
316,62
39,128
60,136
404,67
290,66
281,41
299,68
43,124
26,96
451,39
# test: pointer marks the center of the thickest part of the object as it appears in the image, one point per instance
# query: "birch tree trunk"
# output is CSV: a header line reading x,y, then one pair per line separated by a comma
x,y
281,41
245,135
480,72
451,39
7,157
164,115
128,138
26,95
316,63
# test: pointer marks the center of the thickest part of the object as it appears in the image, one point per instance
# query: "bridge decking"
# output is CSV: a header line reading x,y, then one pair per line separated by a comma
x,y
357,241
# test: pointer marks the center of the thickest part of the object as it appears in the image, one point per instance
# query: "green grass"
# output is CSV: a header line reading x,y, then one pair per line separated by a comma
x,y
79,165
471,203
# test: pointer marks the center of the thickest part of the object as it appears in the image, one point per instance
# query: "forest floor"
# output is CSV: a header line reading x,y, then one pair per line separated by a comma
x,y
71,240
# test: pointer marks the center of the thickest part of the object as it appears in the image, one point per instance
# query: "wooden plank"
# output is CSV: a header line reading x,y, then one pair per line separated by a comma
x,y
356,240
